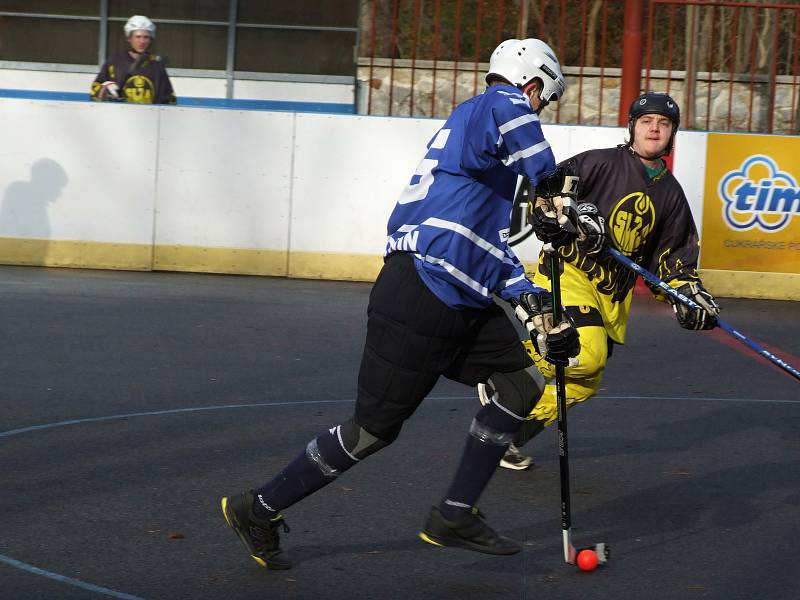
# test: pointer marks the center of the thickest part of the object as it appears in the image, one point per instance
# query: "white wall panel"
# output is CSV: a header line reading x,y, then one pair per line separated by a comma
x,y
568,140
77,171
18,79
349,171
224,178
295,91
234,179
690,169
198,87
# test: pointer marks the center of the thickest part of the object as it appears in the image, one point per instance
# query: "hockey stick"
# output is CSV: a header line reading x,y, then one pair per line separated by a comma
x,y
561,398
676,295
570,553
128,72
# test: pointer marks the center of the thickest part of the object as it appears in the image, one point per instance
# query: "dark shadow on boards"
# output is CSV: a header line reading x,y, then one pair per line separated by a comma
x,y
24,215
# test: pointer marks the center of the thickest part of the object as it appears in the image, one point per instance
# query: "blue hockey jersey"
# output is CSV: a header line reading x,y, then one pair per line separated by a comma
x,y
454,215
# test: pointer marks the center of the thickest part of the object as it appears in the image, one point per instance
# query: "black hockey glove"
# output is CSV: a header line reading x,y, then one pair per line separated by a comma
x,y
689,318
591,229
556,343
553,213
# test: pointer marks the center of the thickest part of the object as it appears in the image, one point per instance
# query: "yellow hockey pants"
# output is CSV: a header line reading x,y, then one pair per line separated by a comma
x,y
582,380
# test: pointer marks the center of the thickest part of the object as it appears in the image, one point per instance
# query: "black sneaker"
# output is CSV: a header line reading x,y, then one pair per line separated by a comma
x,y
468,531
260,536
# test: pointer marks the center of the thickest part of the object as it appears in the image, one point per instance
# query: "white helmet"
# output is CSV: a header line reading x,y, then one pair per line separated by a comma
x,y
520,61
140,23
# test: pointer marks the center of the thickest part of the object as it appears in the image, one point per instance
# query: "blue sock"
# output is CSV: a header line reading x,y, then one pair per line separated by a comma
x,y
320,463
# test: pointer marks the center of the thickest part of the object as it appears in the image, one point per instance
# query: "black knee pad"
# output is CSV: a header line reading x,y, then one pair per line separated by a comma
x,y
337,449
360,443
516,392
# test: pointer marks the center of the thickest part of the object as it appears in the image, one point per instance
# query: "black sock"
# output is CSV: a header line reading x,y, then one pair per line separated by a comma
x,y
320,462
490,433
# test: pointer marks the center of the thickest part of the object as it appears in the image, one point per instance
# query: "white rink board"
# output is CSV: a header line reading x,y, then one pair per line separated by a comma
x,y
315,183
349,171
224,178
690,170
108,154
296,91
19,79
568,140
187,86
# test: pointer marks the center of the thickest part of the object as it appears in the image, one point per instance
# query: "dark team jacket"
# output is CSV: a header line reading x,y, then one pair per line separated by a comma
x,y
141,81
648,220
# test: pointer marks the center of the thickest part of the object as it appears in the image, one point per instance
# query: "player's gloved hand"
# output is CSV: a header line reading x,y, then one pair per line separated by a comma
x,y
689,318
557,343
591,228
553,214
110,88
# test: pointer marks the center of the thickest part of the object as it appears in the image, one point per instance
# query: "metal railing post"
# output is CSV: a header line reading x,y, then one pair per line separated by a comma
x,y
631,58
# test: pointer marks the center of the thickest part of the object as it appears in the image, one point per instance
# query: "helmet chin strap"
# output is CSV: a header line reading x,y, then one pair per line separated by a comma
x,y
635,153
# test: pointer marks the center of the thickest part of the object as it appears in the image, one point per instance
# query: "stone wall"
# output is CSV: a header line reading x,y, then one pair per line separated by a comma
x,y
737,106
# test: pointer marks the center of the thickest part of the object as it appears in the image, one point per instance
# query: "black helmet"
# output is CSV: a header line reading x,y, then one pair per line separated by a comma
x,y
655,103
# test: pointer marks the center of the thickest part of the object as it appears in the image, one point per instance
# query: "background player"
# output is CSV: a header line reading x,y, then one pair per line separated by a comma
x,y
135,75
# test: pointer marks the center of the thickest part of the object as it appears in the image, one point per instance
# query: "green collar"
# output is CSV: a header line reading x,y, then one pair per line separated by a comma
x,y
654,173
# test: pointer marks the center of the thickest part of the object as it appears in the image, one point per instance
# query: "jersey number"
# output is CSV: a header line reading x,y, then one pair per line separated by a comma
x,y
423,176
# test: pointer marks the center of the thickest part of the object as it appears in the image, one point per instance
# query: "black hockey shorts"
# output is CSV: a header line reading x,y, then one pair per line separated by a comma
x,y
413,338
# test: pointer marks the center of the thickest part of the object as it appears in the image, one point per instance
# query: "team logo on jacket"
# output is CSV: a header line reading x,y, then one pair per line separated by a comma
x,y
139,90
631,221
759,195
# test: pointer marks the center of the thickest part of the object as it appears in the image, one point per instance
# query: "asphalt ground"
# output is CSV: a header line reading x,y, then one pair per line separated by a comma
x,y
130,402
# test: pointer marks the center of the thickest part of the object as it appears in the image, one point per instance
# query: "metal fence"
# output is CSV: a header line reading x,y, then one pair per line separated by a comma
x,y
733,66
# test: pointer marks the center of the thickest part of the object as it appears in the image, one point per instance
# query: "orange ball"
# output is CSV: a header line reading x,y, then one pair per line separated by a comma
x,y
587,560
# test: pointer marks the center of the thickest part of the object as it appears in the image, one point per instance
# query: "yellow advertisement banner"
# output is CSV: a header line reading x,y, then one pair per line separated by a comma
x,y
751,207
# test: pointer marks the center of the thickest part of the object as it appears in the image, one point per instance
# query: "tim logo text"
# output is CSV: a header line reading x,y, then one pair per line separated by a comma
x,y
759,195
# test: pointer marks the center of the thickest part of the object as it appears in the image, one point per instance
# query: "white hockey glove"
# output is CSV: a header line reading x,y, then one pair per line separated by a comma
x,y
706,317
591,228
557,343
553,214
110,88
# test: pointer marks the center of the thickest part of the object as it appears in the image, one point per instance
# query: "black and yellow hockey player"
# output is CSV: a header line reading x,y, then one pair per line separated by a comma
x,y
135,76
628,199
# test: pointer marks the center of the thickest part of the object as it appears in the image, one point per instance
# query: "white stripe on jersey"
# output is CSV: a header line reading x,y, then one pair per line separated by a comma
x,y
518,122
512,281
516,98
467,233
441,139
526,152
460,275
511,94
